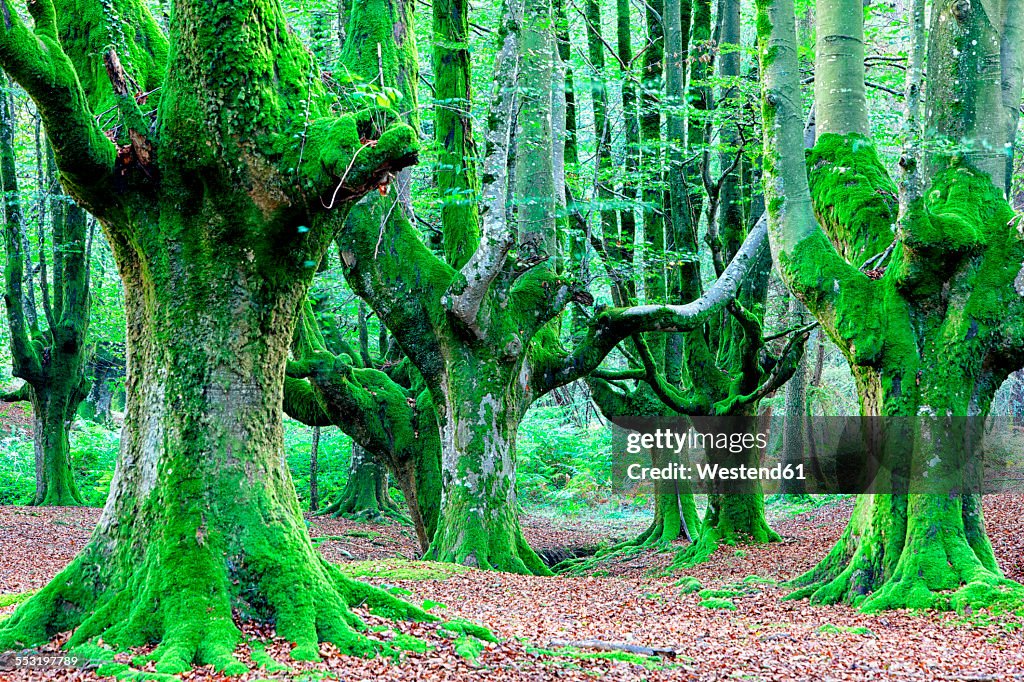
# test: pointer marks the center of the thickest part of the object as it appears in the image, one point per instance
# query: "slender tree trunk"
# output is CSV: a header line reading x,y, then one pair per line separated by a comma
x,y
839,65
794,434
314,471
453,130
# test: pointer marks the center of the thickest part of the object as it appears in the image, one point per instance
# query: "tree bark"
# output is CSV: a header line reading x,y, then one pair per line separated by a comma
x,y
216,234
913,352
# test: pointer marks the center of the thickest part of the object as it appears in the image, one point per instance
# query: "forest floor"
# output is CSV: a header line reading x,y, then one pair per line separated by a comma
x,y
765,638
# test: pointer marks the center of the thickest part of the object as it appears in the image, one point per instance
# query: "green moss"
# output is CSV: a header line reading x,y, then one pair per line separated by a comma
x,y
263,660
853,196
688,585
838,629
715,603
458,626
648,662
759,580
410,643
402,569
16,598
469,647
723,593
92,652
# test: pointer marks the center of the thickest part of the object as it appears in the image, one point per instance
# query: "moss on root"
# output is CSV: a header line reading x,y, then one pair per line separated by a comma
x,y
187,593
730,520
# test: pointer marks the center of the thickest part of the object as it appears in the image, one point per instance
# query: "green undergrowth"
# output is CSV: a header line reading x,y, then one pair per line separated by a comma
x,y
788,506
402,569
718,603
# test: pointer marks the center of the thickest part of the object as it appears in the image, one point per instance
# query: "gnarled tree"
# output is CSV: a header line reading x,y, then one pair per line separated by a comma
x,y
933,328
217,210
49,354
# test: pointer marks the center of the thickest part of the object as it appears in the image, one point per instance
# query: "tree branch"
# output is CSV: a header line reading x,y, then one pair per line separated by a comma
x,y
464,298
782,371
611,325
807,260
36,61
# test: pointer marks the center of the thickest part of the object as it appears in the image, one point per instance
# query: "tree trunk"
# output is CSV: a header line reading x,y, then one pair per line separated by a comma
x,y
915,351
202,517
217,228
479,522
903,550
735,513
314,471
794,429
365,496
53,411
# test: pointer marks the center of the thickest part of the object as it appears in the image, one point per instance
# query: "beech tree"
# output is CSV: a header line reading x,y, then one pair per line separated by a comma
x,y
480,325
49,354
917,283
217,210
723,368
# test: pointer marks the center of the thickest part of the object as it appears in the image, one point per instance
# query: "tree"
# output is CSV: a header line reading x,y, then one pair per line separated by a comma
x,y
50,357
388,414
217,213
933,327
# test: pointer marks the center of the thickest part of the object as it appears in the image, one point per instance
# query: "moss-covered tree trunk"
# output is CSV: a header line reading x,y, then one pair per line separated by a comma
x,y
922,358
51,358
216,227
478,420
53,411
365,496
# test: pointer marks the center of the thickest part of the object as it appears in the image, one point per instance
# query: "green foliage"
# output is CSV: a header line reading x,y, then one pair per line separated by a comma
x,y
717,603
332,458
563,465
93,451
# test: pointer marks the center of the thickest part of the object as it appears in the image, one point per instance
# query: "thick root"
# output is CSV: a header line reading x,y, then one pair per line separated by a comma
x,y
191,603
498,547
